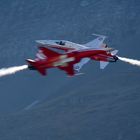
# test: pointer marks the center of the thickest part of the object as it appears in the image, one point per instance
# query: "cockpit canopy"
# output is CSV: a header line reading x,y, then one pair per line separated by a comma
x,y
60,42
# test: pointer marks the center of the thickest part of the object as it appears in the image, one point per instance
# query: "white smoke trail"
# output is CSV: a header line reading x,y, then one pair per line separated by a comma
x,y
130,61
12,70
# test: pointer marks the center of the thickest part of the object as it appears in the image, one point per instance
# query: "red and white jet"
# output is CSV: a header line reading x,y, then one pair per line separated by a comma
x,y
48,58
67,46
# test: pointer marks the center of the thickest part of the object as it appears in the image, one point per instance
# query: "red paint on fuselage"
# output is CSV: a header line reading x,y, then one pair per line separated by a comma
x,y
70,58
100,55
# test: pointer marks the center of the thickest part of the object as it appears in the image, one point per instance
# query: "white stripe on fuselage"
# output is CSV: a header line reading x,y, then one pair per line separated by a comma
x,y
63,61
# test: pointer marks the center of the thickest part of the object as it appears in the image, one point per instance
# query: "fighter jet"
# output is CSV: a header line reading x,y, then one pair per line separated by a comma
x,y
68,46
48,58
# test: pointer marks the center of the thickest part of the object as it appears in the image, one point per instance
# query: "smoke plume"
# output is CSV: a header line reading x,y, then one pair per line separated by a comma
x,y
130,61
12,70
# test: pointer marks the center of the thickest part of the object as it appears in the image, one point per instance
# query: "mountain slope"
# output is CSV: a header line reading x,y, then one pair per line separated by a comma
x,y
96,105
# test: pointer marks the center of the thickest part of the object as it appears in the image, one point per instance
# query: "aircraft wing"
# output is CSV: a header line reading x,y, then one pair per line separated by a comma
x,y
96,43
68,69
61,44
48,52
79,65
66,49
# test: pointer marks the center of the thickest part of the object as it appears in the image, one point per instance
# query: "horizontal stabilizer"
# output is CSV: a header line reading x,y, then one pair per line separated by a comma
x,y
33,65
42,71
114,52
103,64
